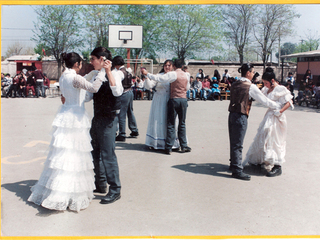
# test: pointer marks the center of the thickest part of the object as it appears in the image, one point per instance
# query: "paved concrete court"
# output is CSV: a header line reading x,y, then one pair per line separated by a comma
x,y
190,194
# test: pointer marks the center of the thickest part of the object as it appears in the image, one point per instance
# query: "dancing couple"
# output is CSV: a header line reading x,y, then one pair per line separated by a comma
x,y
68,179
268,147
170,101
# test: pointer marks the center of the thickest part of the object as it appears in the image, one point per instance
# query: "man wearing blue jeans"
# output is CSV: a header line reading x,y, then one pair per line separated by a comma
x,y
126,100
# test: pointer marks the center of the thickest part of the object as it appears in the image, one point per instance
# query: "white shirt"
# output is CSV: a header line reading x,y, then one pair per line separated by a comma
x,y
117,90
257,95
168,77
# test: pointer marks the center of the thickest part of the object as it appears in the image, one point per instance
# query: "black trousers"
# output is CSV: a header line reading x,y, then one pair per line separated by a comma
x,y
103,133
237,124
176,106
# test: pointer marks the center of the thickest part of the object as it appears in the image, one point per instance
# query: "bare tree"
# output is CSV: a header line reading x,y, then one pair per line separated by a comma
x,y
238,25
312,40
16,48
272,23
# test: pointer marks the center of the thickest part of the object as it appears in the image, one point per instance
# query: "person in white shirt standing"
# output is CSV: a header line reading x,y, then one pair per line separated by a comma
x,y
126,100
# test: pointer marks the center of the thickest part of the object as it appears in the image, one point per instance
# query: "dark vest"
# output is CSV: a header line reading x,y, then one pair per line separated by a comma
x,y
126,82
104,103
239,97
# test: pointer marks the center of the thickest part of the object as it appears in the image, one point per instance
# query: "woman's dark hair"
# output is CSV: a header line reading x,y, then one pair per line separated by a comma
x,y
101,52
117,61
217,74
165,62
245,68
70,59
268,75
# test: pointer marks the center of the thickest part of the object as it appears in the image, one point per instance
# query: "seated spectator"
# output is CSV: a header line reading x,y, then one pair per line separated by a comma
x,y
226,74
214,81
14,87
205,90
22,85
291,78
191,88
138,89
305,96
6,82
316,91
215,91
226,81
197,86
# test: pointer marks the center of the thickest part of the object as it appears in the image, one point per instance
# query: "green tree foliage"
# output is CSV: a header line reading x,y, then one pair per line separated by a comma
x,y
58,29
191,29
96,19
286,49
151,18
271,23
238,21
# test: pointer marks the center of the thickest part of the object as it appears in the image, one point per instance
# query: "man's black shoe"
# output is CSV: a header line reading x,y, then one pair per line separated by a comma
x,y
120,138
275,171
241,176
185,149
168,151
100,189
110,198
134,134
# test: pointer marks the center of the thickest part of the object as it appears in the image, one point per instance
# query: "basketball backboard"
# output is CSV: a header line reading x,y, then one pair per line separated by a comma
x,y
125,36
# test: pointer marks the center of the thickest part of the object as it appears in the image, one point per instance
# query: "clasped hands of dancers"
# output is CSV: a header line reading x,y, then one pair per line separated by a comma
x,y
82,157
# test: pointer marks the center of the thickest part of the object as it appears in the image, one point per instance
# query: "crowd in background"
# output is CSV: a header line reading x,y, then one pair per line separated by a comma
x,y
202,87
23,83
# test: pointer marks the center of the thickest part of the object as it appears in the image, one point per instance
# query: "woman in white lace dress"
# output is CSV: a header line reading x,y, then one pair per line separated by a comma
x,y
269,145
67,180
157,125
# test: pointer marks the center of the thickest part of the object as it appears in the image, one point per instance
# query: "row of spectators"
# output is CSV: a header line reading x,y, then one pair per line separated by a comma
x,y
308,91
24,82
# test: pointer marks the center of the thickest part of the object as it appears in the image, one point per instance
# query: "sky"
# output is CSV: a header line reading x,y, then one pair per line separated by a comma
x,y
17,22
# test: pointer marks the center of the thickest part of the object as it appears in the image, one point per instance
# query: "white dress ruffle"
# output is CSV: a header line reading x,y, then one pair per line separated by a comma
x,y
269,144
157,124
67,180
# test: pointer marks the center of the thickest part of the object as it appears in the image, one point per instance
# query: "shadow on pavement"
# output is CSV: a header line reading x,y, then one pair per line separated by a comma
x,y
255,170
214,169
132,146
22,190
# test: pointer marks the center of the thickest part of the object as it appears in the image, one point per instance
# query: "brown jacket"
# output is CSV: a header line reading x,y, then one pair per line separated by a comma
x,y
239,97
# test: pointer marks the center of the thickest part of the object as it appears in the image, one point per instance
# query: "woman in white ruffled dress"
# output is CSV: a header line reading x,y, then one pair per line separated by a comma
x,y
157,125
67,180
269,145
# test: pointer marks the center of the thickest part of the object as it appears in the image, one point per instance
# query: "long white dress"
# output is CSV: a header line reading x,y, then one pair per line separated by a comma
x,y
67,180
269,144
157,124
